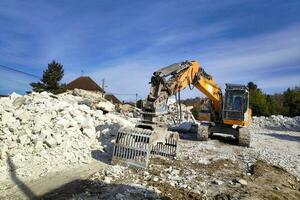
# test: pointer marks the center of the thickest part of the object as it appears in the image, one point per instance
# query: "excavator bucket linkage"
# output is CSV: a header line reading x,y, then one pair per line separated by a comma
x,y
134,146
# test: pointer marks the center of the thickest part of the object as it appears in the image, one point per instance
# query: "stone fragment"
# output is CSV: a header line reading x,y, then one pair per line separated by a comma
x,y
7,117
50,142
155,179
242,181
89,132
38,146
24,117
23,139
19,101
217,182
107,180
106,106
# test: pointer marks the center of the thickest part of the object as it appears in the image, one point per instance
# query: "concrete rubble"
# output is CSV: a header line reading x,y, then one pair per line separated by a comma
x,y
277,122
42,132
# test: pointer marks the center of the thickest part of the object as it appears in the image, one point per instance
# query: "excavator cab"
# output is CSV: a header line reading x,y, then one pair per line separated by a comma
x,y
236,102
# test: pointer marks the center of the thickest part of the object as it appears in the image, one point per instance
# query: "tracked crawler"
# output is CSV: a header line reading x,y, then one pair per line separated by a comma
x,y
230,114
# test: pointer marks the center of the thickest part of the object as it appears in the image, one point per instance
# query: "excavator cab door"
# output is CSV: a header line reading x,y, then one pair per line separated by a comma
x,y
235,103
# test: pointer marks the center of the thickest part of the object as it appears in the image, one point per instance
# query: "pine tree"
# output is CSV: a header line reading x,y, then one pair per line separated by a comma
x,y
51,78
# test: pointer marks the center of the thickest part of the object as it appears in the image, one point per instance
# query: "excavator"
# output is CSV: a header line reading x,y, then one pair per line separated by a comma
x,y
230,114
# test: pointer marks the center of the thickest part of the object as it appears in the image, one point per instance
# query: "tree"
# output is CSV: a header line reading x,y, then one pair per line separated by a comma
x,y
51,78
252,86
291,100
275,105
257,100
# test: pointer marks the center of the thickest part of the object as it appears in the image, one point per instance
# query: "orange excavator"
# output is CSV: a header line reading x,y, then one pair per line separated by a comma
x,y
230,114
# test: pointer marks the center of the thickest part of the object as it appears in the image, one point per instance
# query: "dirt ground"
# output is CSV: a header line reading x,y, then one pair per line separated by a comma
x,y
215,169
266,182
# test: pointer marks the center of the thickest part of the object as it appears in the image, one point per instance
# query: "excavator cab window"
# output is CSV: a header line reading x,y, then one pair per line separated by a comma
x,y
235,102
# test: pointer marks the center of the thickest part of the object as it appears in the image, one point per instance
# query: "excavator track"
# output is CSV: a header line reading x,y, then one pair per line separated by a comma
x,y
134,146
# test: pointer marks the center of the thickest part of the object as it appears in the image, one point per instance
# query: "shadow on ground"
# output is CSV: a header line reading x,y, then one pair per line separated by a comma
x,y
226,139
84,189
27,192
188,136
88,189
292,138
102,156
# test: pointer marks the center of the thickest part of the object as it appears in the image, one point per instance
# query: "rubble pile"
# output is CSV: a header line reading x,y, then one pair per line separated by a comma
x,y
277,122
173,116
40,132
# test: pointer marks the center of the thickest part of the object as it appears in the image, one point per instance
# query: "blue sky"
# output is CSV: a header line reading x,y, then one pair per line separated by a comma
x,y
236,41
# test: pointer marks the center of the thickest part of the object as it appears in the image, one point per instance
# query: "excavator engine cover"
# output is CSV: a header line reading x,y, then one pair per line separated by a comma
x,y
135,146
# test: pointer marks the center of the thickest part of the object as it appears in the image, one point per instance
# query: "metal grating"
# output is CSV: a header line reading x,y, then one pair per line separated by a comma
x,y
132,147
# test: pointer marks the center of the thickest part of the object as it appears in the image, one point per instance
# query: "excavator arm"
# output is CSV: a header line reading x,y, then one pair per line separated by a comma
x,y
170,80
134,146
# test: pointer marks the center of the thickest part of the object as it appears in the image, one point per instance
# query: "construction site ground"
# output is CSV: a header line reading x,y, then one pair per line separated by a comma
x,y
214,169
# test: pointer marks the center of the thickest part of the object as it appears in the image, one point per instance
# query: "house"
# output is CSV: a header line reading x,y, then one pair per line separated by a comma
x,y
113,99
85,83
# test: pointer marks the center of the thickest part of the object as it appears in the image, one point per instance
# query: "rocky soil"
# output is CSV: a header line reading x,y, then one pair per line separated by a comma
x,y
43,134
215,169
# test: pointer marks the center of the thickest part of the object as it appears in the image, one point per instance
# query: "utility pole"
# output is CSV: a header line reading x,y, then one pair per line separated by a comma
x,y
136,99
103,83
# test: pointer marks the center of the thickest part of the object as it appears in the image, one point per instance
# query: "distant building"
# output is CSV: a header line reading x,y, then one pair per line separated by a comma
x,y
112,99
85,83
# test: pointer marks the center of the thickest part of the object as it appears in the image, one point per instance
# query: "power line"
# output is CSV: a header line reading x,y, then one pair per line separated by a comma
x,y
19,71
124,94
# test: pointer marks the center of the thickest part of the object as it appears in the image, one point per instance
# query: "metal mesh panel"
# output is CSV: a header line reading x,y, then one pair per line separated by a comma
x,y
132,147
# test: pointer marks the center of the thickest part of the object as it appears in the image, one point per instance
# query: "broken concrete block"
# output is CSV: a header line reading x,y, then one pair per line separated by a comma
x,y
87,123
106,106
23,139
63,123
19,101
50,142
7,117
217,182
24,117
242,181
13,96
89,132
38,146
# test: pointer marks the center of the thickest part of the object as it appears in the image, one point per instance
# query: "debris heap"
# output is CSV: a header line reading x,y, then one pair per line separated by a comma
x,y
277,122
42,132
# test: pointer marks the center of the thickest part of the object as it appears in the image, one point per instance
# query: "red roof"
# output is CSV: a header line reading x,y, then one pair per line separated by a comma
x,y
85,83
112,98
